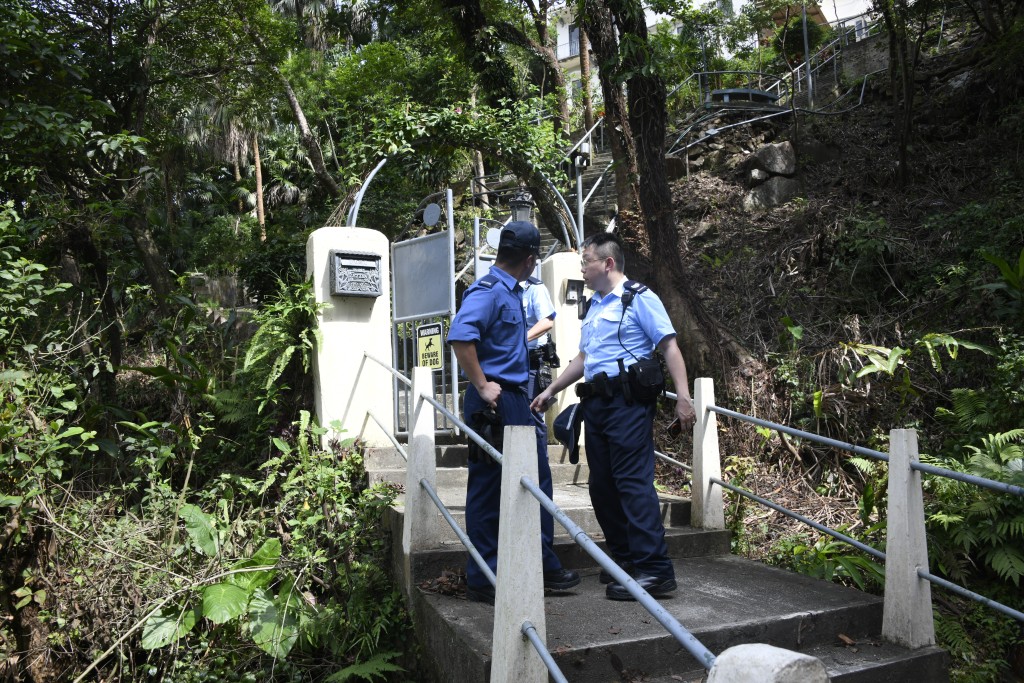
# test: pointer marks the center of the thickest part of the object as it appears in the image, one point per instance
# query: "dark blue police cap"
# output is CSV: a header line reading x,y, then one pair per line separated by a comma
x,y
521,235
567,430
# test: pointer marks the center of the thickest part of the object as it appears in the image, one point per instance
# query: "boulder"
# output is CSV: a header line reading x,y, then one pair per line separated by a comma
x,y
777,159
758,176
773,192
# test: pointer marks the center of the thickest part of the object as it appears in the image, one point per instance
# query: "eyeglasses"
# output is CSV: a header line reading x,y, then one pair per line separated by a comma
x,y
586,262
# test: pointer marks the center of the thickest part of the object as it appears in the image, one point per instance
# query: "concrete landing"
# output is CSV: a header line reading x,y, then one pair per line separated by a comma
x,y
723,600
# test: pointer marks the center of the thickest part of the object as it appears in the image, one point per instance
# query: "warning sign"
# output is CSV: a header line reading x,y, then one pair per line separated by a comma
x,y
429,353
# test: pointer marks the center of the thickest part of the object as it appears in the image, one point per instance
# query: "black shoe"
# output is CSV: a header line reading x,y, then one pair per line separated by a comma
x,y
627,567
560,580
657,586
480,594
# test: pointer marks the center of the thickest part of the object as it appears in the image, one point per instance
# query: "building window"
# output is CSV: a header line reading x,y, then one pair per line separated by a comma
x,y
574,40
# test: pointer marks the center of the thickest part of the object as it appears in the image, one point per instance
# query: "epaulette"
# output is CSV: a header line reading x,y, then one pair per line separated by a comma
x,y
635,287
488,280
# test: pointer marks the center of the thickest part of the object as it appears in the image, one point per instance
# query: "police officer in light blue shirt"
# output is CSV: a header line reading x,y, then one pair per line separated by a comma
x,y
488,335
624,324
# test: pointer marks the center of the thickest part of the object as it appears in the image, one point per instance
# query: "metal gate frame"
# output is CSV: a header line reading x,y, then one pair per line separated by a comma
x,y
445,380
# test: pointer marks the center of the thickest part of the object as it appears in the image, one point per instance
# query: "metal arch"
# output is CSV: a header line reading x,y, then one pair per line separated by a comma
x,y
353,213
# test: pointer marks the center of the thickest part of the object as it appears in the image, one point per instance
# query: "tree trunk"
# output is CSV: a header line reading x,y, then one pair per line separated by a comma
x,y
309,140
588,106
258,168
597,21
705,347
152,261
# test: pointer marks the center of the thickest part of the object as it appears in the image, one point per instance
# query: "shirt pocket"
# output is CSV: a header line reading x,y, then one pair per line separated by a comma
x,y
508,328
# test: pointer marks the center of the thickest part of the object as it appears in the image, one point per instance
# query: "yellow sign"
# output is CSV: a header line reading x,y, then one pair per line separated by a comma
x,y
429,352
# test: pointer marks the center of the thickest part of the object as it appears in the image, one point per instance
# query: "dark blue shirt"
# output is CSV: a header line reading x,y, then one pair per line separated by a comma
x,y
491,316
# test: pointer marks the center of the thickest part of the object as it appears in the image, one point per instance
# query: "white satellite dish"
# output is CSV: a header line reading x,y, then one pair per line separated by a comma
x,y
431,213
493,237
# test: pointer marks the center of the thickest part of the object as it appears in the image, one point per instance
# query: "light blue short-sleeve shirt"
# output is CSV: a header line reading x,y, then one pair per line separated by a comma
x,y
537,306
609,333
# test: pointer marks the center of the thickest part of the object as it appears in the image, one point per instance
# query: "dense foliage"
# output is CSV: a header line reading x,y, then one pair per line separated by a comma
x,y
169,510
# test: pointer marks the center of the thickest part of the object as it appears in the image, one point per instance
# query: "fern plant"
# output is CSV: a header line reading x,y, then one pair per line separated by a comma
x,y
978,525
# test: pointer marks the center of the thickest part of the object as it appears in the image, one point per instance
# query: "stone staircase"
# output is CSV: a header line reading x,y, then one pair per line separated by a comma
x,y
722,599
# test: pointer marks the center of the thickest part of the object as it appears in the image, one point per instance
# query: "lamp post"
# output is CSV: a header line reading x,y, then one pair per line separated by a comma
x,y
807,57
521,203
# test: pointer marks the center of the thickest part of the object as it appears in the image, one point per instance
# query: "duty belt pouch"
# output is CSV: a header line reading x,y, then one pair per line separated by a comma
x,y
543,379
489,425
646,379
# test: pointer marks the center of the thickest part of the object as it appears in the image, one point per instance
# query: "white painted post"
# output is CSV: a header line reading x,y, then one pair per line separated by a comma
x,y
351,326
555,272
760,663
907,614
707,507
420,525
520,591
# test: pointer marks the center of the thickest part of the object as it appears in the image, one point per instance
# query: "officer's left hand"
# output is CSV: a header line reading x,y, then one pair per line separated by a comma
x,y
685,413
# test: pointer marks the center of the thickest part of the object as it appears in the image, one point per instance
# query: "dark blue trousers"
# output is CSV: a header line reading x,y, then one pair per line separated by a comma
x,y
619,441
483,491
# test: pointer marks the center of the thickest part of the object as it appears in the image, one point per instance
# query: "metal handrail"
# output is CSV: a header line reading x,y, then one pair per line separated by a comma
x,y
921,467
977,597
968,478
671,624
530,631
583,137
488,448
399,376
789,513
463,536
662,456
387,433
685,638
835,443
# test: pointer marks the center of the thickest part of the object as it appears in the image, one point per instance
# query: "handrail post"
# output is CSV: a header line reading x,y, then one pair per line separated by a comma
x,y
907,613
420,528
519,595
707,507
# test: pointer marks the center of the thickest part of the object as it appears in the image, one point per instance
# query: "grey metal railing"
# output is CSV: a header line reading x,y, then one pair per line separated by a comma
x,y
682,635
913,465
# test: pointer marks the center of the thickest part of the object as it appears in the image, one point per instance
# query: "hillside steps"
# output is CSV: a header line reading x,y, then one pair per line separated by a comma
x,y
722,599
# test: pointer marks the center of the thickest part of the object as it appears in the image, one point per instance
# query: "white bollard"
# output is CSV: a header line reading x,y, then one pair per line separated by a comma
x,y
907,614
520,591
707,507
420,527
759,663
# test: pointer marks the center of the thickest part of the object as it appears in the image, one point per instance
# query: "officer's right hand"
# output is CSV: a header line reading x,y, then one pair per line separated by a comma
x,y
490,392
542,401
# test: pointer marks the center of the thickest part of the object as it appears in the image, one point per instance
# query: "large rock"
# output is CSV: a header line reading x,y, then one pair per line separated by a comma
x,y
773,192
777,159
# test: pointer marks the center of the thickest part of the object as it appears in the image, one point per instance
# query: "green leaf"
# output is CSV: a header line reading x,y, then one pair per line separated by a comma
x,y
223,602
372,668
200,529
166,626
274,630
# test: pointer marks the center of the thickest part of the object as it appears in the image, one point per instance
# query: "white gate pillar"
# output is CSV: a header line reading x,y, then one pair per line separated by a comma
x,y
519,595
706,503
907,613
347,386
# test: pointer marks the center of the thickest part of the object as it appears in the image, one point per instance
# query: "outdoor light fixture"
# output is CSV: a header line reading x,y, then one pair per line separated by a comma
x,y
521,203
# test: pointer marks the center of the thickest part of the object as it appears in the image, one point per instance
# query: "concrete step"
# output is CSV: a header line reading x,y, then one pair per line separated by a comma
x,y
451,477
723,600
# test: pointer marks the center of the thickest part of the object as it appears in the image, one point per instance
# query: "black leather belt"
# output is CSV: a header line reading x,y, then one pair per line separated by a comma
x,y
508,386
601,385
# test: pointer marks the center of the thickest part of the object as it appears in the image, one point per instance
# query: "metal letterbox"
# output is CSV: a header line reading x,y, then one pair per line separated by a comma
x,y
355,274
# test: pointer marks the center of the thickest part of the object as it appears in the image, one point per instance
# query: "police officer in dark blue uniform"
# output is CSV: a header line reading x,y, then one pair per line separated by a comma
x,y
488,335
624,324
